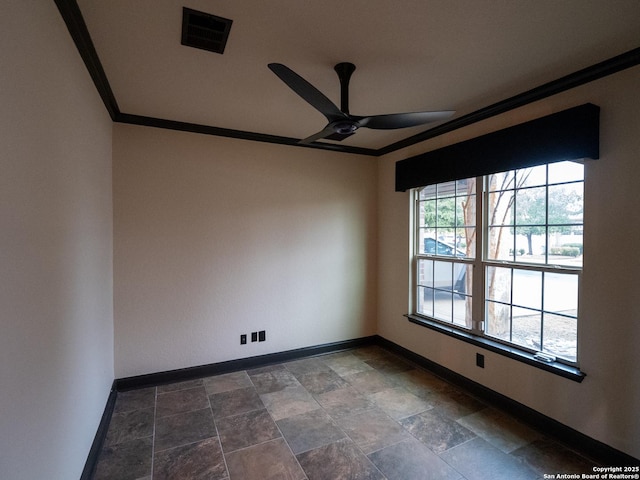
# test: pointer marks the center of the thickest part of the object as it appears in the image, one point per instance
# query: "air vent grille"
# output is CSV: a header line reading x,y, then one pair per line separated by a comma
x,y
205,31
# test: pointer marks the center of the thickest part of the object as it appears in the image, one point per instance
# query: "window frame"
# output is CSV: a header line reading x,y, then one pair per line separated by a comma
x,y
476,333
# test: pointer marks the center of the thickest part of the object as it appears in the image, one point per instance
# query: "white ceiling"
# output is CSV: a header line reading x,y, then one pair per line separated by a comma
x,y
411,55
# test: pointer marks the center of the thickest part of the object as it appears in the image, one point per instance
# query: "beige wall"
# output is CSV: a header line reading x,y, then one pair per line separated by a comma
x,y
56,315
216,237
604,406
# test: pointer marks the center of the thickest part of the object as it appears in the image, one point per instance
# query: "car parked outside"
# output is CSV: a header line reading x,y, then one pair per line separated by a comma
x,y
441,277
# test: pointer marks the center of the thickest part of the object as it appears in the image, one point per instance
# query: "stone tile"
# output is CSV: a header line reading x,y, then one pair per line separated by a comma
x,y
234,402
373,430
288,402
389,365
271,460
412,460
371,352
227,382
340,460
202,460
184,428
370,381
399,403
135,400
345,401
546,456
181,401
273,380
127,426
479,460
322,382
246,429
266,369
336,355
346,364
172,387
499,429
421,383
436,431
455,404
309,430
307,365
125,461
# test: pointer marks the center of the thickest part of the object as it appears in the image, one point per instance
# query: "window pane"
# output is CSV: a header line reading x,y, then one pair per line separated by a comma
x,y
462,307
446,189
443,247
566,204
425,272
425,301
445,215
501,181
501,207
466,242
529,177
462,277
499,284
427,192
443,305
427,214
466,210
526,328
561,293
498,320
501,244
466,187
560,336
565,172
565,248
527,289
443,277
428,242
531,244
531,206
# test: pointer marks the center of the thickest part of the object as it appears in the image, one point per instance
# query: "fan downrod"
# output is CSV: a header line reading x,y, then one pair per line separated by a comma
x,y
344,71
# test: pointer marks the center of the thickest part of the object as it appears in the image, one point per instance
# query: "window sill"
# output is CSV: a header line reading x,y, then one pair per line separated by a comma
x,y
566,371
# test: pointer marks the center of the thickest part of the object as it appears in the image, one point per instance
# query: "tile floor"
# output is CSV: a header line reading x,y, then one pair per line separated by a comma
x,y
357,414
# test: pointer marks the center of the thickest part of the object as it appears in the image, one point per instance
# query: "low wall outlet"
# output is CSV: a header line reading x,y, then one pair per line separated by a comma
x,y
254,336
480,360
243,339
262,336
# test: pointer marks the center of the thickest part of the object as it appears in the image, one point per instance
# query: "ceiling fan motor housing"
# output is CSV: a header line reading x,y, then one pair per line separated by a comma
x,y
345,127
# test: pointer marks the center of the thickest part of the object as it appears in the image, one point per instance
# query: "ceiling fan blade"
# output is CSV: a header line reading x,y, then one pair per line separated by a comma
x,y
402,120
325,132
307,91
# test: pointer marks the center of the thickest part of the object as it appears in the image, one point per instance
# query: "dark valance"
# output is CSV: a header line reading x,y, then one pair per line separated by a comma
x,y
572,134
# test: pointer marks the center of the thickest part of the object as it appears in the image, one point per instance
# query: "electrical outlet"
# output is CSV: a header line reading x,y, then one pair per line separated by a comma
x,y
243,339
262,336
254,336
480,360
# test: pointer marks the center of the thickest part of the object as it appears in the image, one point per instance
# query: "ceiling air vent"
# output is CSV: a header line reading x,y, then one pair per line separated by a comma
x,y
205,31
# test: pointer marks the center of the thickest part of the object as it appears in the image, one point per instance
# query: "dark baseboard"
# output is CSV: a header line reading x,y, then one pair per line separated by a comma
x,y
587,446
201,371
101,435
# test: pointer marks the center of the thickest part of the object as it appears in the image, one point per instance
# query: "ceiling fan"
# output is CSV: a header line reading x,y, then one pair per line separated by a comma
x,y
341,123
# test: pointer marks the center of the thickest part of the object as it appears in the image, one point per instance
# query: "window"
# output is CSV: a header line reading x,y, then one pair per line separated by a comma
x,y
500,256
